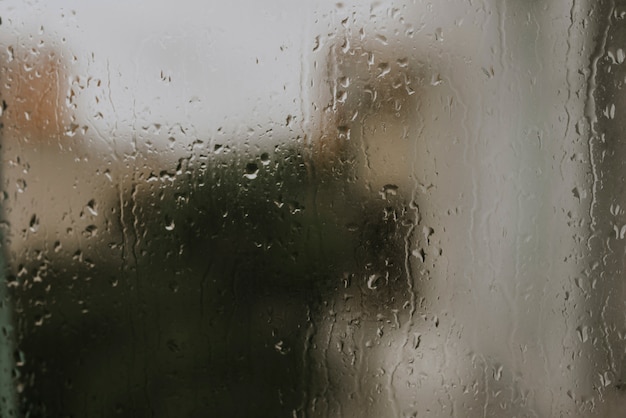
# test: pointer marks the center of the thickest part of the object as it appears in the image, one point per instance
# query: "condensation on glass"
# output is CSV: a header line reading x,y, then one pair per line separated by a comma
x,y
320,209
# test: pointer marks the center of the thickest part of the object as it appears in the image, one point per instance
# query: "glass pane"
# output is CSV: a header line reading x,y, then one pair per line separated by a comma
x,y
321,209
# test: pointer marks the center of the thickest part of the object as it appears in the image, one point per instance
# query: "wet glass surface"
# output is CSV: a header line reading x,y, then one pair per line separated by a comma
x,y
320,209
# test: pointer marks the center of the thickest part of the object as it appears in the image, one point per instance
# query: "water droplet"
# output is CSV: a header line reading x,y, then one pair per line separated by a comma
x,y
91,231
92,207
344,132
34,223
21,185
420,254
384,69
616,57
252,170
169,223
352,227
382,39
388,190
615,210
605,379
583,333
609,112
417,340
578,193
439,34
436,80
72,130
316,44
497,372
620,232
20,358
282,348
347,280
373,281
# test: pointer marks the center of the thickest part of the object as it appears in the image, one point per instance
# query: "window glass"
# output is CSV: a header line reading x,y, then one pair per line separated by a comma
x,y
320,208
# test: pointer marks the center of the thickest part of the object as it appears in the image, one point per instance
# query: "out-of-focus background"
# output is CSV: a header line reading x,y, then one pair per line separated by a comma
x,y
346,209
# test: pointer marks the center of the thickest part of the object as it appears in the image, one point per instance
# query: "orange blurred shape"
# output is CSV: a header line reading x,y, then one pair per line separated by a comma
x,y
34,92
